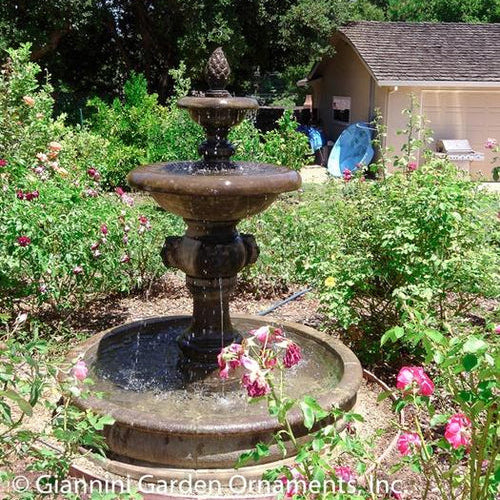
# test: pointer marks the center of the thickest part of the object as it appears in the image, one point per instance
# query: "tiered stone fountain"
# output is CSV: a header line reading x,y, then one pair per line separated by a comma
x,y
158,376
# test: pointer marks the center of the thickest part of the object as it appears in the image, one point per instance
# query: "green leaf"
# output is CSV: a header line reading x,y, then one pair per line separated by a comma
x,y
435,336
262,450
474,345
308,413
383,395
438,420
318,444
243,459
24,406
301,455
469,362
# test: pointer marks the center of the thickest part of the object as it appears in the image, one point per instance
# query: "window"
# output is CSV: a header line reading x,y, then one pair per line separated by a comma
x,y
341,106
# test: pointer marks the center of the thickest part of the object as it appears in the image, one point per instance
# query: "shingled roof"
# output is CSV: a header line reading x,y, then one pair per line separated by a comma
x,y
427,52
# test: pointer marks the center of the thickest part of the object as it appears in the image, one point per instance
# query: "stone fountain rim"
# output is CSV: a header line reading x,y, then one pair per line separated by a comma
x,y
207,103
340,396
155,178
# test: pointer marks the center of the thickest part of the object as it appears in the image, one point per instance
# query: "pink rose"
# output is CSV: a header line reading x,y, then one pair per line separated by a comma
x,y
262,334
295,485
293,355
408,442
412,166
255,384
347,175
229,358
92,172
457,431
80,370
23,241
497,329
128,200
266,334
249,363
490,143
20,194
269,359
104,229
119,191
77,270
345,473
410,375
91,193
3,163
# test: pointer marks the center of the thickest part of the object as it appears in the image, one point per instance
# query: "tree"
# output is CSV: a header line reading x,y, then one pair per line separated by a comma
x,y
469,11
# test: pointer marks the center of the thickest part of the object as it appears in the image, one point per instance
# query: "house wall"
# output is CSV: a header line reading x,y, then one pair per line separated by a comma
x,y
342,75
453,113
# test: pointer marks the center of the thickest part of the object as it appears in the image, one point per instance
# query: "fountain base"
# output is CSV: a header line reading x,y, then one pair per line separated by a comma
x,y
167,419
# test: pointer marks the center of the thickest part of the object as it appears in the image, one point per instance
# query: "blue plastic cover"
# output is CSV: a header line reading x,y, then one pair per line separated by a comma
x,y
354,146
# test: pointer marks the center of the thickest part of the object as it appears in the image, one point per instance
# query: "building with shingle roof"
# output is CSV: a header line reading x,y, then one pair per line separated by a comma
x,y
452,68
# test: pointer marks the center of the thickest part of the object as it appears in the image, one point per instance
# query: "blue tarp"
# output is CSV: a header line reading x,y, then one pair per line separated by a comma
x,y
316,137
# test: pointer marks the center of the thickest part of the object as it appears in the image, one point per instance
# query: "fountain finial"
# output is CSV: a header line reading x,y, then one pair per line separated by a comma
x,y
217,73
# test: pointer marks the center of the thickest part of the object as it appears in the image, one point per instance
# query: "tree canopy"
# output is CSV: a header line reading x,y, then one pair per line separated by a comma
x,y
92,46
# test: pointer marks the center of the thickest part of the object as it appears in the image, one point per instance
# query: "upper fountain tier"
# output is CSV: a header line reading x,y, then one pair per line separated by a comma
x,y
215,188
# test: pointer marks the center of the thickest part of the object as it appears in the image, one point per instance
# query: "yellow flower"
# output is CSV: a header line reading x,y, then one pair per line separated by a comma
x,y
330,282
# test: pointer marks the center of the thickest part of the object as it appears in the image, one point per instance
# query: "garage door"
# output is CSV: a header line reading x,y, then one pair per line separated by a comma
x,y
465,114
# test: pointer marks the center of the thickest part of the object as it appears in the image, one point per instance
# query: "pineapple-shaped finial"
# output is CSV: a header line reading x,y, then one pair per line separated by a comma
x,y
217,72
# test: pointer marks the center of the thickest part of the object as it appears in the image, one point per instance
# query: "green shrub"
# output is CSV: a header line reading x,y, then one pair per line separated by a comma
x,y
282,146
139,130
423,241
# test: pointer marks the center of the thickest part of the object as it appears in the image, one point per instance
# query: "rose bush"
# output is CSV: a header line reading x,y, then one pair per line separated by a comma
x,y
451,440
53,207
453,436
422,242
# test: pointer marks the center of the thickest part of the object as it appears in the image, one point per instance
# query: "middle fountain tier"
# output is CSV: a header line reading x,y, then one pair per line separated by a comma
x,y
157,376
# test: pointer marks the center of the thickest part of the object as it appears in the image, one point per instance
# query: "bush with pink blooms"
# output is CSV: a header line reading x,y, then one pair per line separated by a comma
x,y
451,439
54,251
453,436
261,362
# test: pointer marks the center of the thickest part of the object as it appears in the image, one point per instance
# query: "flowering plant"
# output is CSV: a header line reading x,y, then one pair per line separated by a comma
x,y
456,448
264,356
31,386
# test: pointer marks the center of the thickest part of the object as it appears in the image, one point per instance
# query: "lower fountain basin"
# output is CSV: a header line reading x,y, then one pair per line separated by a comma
x,y
162,420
